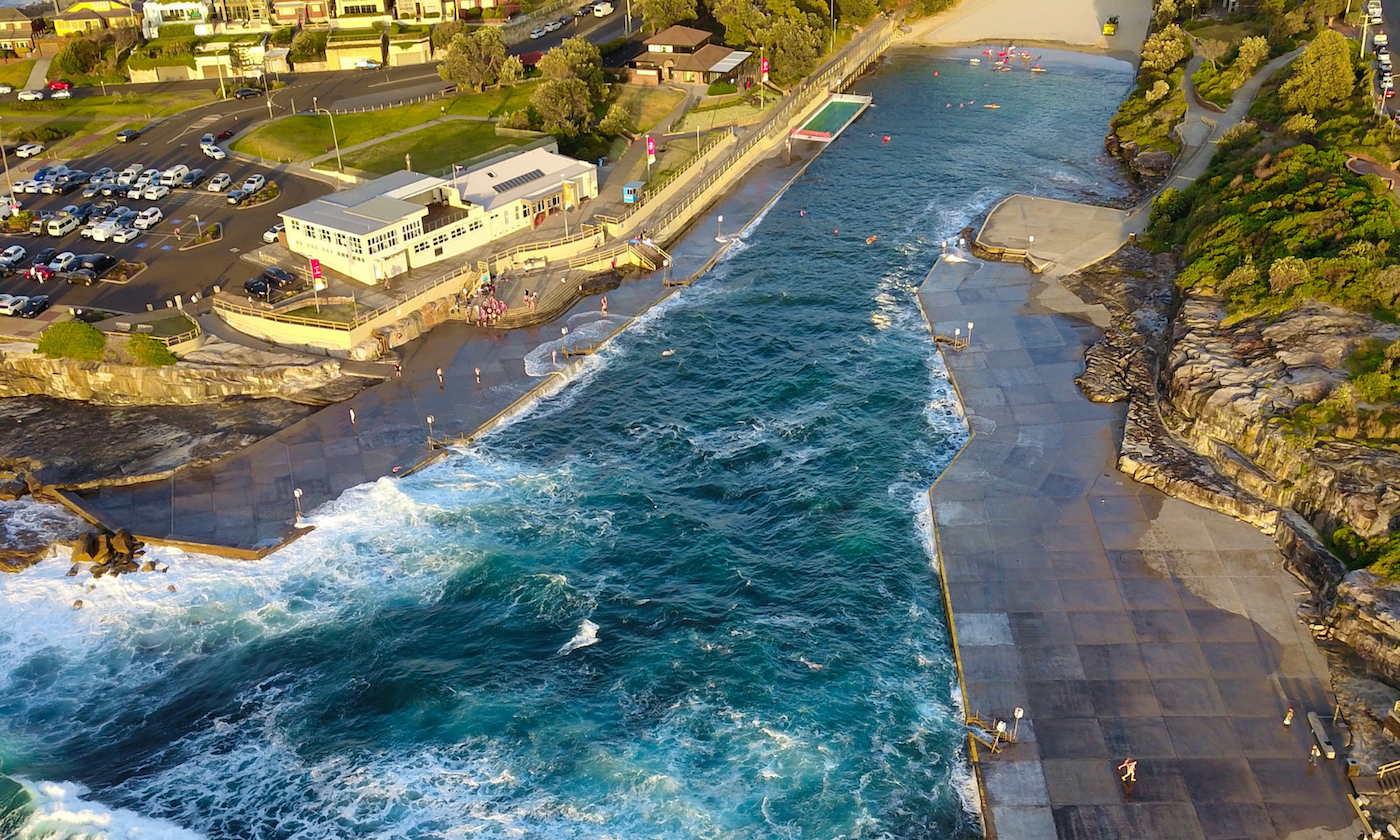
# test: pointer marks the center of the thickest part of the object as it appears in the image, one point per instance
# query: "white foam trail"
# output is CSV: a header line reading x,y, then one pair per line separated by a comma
x,y
60,811
587,635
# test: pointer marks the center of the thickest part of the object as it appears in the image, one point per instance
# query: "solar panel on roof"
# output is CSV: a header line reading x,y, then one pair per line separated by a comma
x,y
518,180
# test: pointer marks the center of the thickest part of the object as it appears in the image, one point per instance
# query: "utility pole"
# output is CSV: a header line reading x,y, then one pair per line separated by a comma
x,y
6,158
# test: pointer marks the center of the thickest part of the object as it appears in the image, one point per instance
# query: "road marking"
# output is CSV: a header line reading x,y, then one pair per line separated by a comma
x,y
166,247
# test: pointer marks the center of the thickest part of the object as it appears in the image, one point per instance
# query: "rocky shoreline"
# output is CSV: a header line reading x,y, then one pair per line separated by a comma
x,y
1210,403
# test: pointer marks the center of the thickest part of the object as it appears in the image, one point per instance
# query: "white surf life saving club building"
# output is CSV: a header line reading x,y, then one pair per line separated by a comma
x,y
408,220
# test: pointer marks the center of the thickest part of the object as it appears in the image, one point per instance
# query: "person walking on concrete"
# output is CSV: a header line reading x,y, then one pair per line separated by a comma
x,y
1129,768
440,382
1313,755
1288,718
478,376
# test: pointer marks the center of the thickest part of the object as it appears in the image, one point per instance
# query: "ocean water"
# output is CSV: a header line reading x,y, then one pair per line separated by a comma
x,y
690,597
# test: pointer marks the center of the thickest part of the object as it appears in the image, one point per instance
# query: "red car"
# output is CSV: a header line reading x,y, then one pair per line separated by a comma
x,y
59,84
224,135
41,273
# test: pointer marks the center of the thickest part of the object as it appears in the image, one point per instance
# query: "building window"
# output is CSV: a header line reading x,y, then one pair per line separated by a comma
x,y
380,242
325,234
341,239
413,230
476,225
421,247
360,10
357,245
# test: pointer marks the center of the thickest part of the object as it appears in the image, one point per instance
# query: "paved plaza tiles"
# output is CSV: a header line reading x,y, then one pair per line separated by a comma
x,y
1124,622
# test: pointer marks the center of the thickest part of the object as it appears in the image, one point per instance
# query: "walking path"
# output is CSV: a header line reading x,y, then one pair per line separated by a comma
x,y
39,74
244,505
1124,622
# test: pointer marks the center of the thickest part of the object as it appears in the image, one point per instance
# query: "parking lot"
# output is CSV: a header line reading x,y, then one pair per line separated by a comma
x,y
171,271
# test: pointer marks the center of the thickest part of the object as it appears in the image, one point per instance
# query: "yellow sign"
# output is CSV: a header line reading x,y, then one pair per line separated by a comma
x,y
568,194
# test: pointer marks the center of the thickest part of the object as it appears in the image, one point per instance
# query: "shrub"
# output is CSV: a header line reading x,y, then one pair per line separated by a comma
x,y
149,352
77,57
720,88
282,37
19,222
182,30
73,340
613,46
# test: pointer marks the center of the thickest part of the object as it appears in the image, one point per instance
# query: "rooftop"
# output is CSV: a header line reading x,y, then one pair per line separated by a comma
x,y
369,207
10,14
711,58
517,177
679,36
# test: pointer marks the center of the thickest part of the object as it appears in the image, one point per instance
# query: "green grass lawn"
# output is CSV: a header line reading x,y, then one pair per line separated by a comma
x,y
1231,33
340,313
647,105
434,148
302,137
145,105
16,74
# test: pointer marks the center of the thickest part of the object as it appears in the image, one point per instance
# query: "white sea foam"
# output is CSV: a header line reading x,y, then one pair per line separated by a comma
x,y
60,811
587,635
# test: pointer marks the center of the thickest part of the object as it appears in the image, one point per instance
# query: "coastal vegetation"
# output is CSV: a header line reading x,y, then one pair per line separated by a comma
x,y
1145,120
73,340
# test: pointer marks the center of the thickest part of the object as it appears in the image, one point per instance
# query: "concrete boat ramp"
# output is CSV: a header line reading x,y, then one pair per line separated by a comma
x,y
1123,622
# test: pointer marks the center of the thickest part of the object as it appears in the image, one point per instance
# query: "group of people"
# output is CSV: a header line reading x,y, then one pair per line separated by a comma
x,y
487,313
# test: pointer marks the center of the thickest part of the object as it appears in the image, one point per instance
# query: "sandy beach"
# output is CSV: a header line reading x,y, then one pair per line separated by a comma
x,y
1066,24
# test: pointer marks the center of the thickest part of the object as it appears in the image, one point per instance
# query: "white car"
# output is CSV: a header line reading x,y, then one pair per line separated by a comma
x,y
148,218
253,184
66,261
220,182
30,95
61,94
155,192
12,305
145,179
6,87
214,152
538,33
124,235
12,255
270,235
102,232
131,173
29,150
1381,39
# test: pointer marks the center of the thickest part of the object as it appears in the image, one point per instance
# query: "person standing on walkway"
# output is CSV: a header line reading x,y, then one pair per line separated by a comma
x,y
605,306
478,376
440,382
1288,718
1313,755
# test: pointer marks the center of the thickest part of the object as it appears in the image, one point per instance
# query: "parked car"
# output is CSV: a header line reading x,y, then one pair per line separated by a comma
x,y
35,306
537,33
93,190
12,255
40,223
253,183
219,182
270,235
66,261
366,64
103,232
61,226
6,87
65,93
148,218
236,196
126,135
30,95
43,257
112,189
125,235
225,134
99,264
194,178
150,176
130,174
257,287
41,273
83,276
103,174
155,192
60,84
11,305
29,150
276,278
602,9
246,93
553,26
206,140
27,186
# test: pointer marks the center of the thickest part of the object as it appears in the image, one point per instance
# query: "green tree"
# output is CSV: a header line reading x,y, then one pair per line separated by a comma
x,y
563,105
1166,49
576,58
512,71
444,32
856,11
1322,76
77,57
1212,50
73,340
474,59
744,21
1253,51
1287,272
793,41
659,14
1165,13
615,122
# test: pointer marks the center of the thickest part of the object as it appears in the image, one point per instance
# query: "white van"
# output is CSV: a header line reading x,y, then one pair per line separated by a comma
x,y
1381,39
603,9
174,175
63,225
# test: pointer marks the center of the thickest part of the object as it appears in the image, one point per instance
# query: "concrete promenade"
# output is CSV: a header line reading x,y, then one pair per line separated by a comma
x,y
243,505
1124,622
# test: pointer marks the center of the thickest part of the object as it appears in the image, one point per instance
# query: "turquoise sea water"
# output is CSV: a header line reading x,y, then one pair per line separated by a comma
x,y
690,597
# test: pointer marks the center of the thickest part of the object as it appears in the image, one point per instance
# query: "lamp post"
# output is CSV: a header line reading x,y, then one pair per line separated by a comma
x,y
1018,714
564,204
316,109
430,431
719,229
197,232
6,158
969,332
296,494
